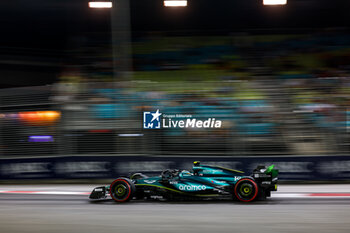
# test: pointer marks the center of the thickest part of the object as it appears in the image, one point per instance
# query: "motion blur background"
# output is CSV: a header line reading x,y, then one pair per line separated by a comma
x,y
76,80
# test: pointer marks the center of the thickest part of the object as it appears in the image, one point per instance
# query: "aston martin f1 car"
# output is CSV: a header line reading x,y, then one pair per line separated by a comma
x,y
203,182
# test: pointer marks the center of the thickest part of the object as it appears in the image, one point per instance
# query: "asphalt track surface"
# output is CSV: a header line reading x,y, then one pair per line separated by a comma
x,y
71,211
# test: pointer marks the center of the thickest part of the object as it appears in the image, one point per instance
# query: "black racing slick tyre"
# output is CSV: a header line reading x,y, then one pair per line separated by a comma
x,y
122,190
246,190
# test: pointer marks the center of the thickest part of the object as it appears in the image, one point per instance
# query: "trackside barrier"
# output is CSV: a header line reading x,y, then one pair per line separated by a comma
x,y
105,167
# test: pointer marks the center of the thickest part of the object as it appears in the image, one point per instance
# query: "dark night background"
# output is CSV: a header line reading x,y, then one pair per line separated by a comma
x,y
36,34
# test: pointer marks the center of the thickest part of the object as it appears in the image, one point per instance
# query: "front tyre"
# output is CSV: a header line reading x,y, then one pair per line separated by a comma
x,y
122,190
246,190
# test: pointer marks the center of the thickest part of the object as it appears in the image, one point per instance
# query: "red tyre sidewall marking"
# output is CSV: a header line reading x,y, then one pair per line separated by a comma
x,y
126,198
255,185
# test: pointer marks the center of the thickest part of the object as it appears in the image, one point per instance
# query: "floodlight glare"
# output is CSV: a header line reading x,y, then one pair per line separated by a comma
x,y
173,3
274,2
100,4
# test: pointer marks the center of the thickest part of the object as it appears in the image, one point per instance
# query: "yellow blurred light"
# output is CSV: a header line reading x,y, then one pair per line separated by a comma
x,y
40,117
100,4
274,2
52,115
173,3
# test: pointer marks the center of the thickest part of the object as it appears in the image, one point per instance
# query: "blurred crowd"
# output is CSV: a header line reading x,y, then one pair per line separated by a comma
x,y
275,94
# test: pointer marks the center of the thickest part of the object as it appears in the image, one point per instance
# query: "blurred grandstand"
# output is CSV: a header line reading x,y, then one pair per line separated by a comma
x,y
276,95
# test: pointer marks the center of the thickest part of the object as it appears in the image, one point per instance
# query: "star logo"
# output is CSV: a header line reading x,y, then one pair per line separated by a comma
x,y
156,115
151,120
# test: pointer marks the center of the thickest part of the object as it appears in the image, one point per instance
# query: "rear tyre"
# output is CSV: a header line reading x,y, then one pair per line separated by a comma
x,y
122,190
246,190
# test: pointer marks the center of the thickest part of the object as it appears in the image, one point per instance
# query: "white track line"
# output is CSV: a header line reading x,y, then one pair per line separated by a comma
x,y
311,195
44,192
277,195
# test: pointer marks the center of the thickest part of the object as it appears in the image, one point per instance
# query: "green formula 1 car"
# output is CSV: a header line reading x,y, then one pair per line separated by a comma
x,y
203,182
